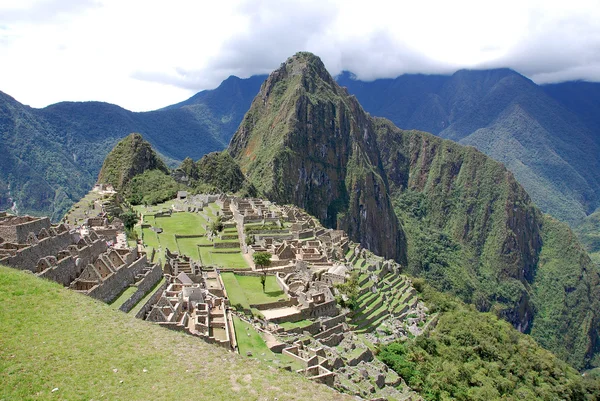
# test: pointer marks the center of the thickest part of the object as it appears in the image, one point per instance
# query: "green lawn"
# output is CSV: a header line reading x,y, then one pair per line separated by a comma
x,y
251,340
86,350
234,291
301,323
137,307
247,290
254,292
182,223
213,257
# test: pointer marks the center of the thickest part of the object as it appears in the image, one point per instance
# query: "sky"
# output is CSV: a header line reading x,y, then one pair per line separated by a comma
x,y
147,54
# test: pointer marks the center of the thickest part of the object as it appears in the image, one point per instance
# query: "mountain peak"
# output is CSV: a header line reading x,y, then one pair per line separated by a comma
x,y
130,157
306,141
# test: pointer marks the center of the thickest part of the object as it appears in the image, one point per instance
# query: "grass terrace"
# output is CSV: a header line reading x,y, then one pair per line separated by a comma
x,y
247,290
250,340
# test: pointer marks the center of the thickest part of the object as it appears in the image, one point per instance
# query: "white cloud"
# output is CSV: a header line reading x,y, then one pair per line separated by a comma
x,y
147,54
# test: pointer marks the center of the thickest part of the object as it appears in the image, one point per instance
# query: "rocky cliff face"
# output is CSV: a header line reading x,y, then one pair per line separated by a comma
x,y
130,157
306,141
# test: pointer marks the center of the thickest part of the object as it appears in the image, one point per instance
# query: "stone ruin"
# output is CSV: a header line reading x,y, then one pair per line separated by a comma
x,y
84,263
193,301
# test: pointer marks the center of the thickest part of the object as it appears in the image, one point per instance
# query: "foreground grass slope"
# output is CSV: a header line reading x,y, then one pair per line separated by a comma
x,y
52,338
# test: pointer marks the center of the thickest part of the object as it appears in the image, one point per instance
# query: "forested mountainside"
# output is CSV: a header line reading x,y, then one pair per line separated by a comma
x,y
463,221
52,156
547,136
473,231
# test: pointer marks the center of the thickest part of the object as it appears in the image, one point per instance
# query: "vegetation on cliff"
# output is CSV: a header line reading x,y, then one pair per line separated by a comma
x,y
588,231
473,231
545,135
151,187
475,356
130,157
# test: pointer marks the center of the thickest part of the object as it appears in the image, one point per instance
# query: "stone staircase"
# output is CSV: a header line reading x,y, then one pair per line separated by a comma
x,y
381,296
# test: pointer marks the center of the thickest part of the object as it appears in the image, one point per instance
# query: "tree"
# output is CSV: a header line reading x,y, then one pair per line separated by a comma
x,y
129,219
262,260
216,225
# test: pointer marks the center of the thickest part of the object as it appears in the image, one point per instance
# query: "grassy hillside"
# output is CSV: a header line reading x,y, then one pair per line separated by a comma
x,y
51,337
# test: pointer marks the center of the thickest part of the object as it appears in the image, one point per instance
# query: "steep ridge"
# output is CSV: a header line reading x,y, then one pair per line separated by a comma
x,y
550,144
306,141
472,230
130,157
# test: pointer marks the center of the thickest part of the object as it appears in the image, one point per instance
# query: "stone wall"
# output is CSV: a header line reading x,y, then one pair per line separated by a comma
x,y
143,286
64,272
20,227
27,258
114,284
151,301
226,245
277,304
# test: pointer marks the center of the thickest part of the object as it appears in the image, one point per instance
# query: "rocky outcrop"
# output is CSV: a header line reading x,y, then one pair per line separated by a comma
x,y
306,141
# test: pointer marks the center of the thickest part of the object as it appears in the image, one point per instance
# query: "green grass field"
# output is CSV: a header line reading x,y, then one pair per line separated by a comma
x,y
251,340
137,307
247,290
51,337
234,291
125,295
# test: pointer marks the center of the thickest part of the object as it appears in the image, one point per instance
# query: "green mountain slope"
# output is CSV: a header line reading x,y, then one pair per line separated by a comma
x,y
86,350
306,141
130,157
548,143
589,234
52,156
473,231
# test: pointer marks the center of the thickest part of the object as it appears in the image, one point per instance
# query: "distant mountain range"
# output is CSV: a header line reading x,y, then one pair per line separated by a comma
x,y
51,156
548,136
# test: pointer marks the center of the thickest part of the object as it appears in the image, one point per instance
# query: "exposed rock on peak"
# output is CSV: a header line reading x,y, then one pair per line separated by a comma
x,y
306,141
